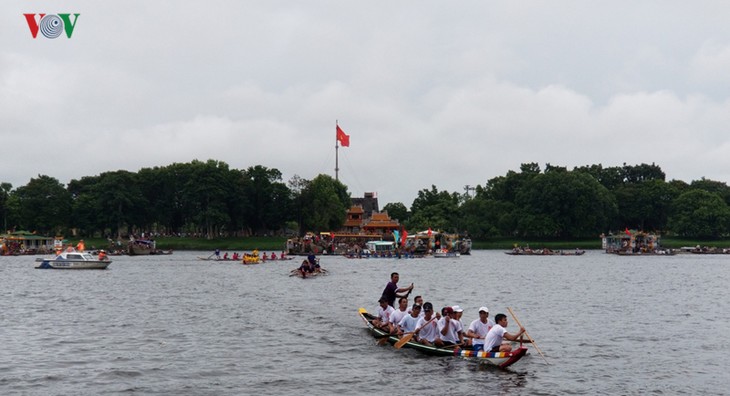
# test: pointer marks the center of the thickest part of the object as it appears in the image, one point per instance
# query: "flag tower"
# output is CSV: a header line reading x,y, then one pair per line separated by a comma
x,y
341,137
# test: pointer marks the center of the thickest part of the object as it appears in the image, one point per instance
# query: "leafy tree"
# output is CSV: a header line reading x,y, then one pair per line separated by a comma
x,y
643,172
269,199
712,186
611,177
44,205
483,217
5,189
435,209
699,214
324,204
563,204
398,211
205,194
645,205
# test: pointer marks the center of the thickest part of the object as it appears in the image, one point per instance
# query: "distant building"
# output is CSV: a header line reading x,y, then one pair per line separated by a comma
x,y
368,203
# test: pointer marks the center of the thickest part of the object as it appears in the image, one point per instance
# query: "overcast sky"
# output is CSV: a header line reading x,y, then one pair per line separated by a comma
x,y
444,93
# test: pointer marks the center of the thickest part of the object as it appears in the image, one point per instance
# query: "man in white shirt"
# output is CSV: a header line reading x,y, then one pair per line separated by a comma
x,y
493,342
448,328
409,322
427,329
384,312
479,328
397,315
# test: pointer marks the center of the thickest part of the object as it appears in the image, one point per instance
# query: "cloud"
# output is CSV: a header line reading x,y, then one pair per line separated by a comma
x,y
431,93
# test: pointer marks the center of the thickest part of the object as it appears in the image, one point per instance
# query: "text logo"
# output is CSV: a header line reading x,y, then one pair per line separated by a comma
x,y
51,26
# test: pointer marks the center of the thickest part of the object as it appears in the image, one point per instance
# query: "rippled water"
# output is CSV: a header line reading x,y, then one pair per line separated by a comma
x,y
175,325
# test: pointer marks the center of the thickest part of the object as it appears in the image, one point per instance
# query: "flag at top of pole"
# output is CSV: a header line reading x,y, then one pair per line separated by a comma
x,y
342,137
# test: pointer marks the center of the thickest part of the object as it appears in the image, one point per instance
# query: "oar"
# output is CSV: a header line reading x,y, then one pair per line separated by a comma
x,y
407,336
383,338
528,336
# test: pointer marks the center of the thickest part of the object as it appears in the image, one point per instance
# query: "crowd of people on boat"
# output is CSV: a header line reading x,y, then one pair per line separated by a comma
x,y
440,329
253,255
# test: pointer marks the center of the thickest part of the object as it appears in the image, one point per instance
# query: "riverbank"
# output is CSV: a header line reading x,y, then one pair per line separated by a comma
x,y
274,244
277,244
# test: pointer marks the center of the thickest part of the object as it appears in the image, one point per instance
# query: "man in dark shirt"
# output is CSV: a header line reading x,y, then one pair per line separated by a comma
x,y
391,289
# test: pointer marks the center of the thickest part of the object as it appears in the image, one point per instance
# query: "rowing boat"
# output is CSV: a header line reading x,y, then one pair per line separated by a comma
x,y
499,359
319,272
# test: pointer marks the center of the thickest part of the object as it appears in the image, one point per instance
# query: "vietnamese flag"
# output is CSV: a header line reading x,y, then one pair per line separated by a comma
x,y
403,237
342,137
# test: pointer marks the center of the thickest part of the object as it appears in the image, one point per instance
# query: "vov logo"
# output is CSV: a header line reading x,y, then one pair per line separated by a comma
x,y
51,26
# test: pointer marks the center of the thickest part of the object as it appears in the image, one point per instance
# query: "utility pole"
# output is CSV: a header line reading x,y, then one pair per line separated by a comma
x,y
468,188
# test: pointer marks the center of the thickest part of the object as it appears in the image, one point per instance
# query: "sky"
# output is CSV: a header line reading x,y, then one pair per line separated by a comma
x,y
432,93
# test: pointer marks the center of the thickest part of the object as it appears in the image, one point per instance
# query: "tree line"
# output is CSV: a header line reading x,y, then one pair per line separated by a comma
x,y
210,199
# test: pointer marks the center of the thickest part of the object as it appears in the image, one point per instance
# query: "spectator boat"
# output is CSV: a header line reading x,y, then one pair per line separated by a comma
x,y
72,260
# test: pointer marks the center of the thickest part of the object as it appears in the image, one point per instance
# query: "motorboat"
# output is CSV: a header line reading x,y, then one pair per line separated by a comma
x,y
72,260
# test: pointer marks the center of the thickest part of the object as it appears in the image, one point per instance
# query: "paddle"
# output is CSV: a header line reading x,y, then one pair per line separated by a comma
x,y
383,339
528,336
407,336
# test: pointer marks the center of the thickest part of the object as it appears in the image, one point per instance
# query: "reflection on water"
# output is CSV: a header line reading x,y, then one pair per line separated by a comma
x,y
177,325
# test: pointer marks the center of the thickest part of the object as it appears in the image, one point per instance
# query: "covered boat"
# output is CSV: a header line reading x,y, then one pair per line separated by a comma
x,y
140,247
72,260
499,359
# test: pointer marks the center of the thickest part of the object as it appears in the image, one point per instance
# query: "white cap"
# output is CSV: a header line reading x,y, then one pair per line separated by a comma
x,y
485,309
457,308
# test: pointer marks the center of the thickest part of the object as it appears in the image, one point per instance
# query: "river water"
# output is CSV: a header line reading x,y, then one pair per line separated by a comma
x,y
176,325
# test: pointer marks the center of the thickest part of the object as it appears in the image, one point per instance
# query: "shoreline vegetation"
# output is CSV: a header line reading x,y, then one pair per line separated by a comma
x,y
278,244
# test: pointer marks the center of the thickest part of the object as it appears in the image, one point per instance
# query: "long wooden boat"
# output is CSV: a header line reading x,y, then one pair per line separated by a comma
x,y
544,252
499,359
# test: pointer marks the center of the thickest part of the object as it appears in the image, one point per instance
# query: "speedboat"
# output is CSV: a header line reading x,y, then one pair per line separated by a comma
x,y
443,253
72,260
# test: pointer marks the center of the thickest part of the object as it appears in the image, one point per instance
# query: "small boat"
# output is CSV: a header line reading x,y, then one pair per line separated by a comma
x,y
499,359
141,247
317,272
442,253
518,251
72,260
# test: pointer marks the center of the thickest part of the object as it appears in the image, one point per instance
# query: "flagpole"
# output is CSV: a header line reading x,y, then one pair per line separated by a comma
x,y
337,157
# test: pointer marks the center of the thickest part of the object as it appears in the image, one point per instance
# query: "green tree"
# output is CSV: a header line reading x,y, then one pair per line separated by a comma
x,y
269,199
563,204
5,189
436,209
398,211
645,205
206,194
324,204
699,214
44,205
712,186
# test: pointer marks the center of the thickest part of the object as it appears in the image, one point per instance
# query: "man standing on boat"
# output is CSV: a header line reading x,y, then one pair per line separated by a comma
x,y
391,289
493,342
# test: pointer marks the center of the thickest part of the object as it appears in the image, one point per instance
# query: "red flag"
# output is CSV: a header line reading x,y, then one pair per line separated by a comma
x,y
343,138
403,236
627,231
